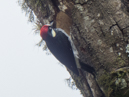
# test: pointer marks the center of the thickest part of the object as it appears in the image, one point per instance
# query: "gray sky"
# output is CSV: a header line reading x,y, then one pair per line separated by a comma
x,y
25,70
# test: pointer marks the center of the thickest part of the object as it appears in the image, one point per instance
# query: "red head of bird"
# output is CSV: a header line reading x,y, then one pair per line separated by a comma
x,y
44,31
47,32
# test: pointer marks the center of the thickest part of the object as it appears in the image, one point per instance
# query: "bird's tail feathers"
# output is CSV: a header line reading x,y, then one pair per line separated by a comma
x,y
87,68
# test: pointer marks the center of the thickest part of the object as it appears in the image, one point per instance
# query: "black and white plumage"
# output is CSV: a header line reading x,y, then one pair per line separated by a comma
x,y
61,46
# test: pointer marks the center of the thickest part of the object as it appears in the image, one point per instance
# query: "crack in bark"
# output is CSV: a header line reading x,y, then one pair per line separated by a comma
x,y
81,3
121,29
125,27
55,4
118,27
112,26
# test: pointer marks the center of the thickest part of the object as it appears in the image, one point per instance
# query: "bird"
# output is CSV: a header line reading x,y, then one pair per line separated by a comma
x,y
62,47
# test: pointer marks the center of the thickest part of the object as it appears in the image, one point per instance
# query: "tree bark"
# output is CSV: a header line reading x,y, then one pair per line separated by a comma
x,y
100,30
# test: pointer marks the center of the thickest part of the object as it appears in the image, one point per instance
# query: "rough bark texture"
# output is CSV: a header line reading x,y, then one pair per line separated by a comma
x,y
100,30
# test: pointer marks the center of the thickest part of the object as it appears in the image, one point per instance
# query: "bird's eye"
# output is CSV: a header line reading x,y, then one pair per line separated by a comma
x,y
50,27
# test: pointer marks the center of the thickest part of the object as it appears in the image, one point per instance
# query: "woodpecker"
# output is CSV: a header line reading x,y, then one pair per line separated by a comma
x,y
61,46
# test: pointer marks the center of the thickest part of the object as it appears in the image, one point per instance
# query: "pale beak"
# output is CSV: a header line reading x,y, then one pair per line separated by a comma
x,y
51,23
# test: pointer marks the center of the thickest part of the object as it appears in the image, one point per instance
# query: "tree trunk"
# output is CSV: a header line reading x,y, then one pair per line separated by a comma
x,y
100,30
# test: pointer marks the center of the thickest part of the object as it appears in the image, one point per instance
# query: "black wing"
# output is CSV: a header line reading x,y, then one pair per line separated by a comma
x,y
60,47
